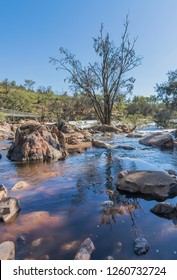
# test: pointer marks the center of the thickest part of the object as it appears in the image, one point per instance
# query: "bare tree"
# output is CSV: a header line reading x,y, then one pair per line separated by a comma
x,y
105,79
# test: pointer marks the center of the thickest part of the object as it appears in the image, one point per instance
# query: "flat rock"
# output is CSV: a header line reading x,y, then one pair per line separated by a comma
x,y
164,141
9,207
85,250
7,250
156,184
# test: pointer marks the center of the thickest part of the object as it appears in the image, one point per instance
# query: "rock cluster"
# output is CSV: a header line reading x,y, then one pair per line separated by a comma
x,y
9,209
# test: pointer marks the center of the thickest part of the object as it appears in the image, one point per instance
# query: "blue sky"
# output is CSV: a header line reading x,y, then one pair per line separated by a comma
x,y
31,31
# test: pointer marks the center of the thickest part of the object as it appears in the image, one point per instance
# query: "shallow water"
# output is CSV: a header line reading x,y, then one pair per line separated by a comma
x,y
72,191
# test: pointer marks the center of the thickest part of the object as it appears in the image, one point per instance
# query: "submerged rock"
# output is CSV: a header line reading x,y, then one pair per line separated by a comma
x,y
85,250
125,147
163,209
3,192
156,184
141,246
21,185
164,141
7,250
9,207
34,141
136,134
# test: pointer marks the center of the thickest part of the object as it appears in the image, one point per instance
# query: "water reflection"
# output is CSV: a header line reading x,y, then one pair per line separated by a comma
x,y
72,194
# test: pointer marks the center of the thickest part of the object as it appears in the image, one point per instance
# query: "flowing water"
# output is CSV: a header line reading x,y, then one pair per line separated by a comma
x,y
71,193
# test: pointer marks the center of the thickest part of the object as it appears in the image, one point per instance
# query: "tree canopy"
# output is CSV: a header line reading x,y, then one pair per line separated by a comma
x,y
106,78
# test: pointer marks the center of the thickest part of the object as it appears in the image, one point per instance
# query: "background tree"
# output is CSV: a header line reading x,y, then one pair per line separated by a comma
x,y
29,84
105,79
167,95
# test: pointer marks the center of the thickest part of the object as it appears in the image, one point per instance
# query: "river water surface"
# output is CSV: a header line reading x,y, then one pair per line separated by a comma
x,y
72,192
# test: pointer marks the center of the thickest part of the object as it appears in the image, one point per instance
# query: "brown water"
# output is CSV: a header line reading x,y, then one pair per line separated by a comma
x,y
70,193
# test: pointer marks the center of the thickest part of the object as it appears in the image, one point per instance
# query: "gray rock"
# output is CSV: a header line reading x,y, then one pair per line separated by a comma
x,y
141,246
85,250
156,184
163,209
164,141
3,192
7,250
9,207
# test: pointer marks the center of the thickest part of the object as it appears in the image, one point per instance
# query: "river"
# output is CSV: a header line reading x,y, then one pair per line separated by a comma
x,y
72,192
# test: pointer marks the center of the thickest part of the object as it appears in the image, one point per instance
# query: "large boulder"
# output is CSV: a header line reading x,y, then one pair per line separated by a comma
x,y
34,141
164,141
9,208
152,184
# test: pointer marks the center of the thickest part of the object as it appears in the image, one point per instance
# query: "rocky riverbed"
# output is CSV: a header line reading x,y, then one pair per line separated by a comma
x,y
76,208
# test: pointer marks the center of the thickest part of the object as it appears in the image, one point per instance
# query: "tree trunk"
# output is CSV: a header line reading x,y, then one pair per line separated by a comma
x,y
107,111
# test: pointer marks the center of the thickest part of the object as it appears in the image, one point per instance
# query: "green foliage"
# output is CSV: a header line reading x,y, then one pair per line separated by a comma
x,y
167,94
2,117
140,105
44,102
167,91
136,120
